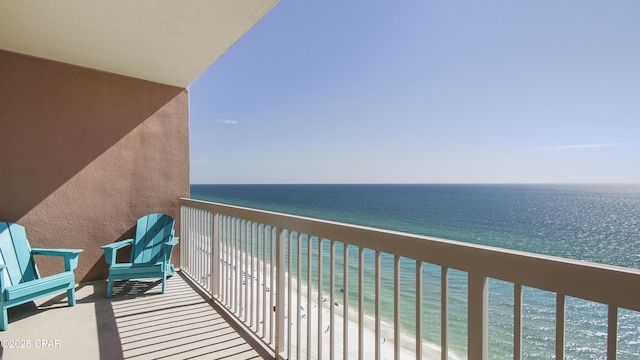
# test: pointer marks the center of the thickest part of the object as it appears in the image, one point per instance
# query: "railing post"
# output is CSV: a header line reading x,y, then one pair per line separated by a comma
x,y
478,317
280,291
560,319
377,308
214,273
396,307
345,301
419,309
612,331
289,292
360,303
320,307
184,237
444,314
309,286
332,295
517,322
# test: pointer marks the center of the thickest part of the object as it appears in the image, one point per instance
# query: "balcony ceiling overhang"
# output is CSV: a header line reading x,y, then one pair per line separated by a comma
x,y
168,42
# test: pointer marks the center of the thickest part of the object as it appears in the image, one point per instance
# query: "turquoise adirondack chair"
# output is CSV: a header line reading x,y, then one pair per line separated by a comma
x,y
20,281
151,250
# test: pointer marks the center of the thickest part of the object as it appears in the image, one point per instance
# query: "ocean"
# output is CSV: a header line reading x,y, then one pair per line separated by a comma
x,y
598,223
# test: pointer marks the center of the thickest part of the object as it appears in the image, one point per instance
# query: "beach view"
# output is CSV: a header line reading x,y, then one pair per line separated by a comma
x,y
490,124
302,180
503,125
491,220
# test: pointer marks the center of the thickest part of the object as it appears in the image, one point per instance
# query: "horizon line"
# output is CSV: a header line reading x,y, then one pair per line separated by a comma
x,y
423,183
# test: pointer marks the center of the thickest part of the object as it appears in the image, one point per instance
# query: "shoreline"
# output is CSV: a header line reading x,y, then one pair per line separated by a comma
x,y
387,343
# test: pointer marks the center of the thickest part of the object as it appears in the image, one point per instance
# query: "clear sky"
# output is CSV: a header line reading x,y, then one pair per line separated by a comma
x,y
425,91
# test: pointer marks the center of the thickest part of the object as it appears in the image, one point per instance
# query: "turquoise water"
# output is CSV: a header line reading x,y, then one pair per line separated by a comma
x,y
599,223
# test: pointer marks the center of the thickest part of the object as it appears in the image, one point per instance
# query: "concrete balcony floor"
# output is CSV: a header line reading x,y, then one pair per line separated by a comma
x,y
137,323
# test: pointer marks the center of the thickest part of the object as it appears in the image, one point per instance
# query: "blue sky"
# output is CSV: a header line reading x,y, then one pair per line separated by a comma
x,y
425,91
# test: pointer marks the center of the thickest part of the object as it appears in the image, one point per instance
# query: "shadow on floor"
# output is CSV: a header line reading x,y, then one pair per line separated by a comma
x,y
139,322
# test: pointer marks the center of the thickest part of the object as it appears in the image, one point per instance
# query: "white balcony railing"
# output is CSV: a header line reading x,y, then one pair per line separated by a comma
x,y
278,274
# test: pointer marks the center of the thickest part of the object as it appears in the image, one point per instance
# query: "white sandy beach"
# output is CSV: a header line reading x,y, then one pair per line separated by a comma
x,y
386,342
387,349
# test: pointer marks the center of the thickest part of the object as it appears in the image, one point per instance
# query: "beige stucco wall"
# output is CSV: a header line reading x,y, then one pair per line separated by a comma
x,y
84,153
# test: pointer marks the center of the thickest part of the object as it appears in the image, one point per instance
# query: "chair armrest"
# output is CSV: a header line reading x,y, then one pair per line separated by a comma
x,y
167,249
173,242
55,252
70,256
168,246
118,244
111,250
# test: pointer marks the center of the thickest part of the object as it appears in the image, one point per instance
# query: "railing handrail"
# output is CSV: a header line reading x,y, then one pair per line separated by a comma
x,y
608,284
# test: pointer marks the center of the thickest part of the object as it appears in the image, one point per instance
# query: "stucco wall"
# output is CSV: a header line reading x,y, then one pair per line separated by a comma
x,y
84,153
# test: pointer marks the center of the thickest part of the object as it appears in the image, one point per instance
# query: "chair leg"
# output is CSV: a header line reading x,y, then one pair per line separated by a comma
x,y
71,296
4,319
164,281
109,288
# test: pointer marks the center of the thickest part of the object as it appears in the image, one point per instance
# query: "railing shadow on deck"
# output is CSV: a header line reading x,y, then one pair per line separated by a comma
x,y
139,322
178,324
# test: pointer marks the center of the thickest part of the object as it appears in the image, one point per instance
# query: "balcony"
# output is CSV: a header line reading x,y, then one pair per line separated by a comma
x,y
258,284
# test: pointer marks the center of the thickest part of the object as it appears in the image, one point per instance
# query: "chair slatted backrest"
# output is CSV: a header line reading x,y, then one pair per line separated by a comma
x,y
15,254
152,231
